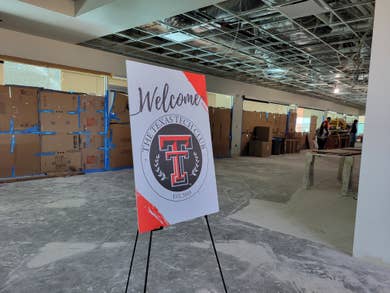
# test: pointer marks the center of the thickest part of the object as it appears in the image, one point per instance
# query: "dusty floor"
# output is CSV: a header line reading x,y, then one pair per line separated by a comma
x,y
75,235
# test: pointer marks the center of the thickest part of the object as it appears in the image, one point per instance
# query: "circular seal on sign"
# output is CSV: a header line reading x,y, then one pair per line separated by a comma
x,y
174,157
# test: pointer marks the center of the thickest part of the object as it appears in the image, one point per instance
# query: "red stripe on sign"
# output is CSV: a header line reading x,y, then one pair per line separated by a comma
x,y
198,82
149,218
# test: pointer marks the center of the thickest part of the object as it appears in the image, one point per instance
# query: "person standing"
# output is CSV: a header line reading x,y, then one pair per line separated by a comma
x,y
353,133
323,133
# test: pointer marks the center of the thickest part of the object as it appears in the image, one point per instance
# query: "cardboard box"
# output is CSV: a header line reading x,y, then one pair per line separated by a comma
x,y
121,158
23,157
60,143
60,153
120,135
92,152
263,116
27,150
24,107
92,103
120,152
92,160
250,120
61,162
59,122
60,102
220,123
54,111
260,148
20,104
92,121
262,133
292,122
5,108
120,108
7,158
291,146
92,113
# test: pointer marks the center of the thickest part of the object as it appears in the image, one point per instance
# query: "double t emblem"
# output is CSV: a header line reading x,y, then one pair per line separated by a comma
x,y
176,149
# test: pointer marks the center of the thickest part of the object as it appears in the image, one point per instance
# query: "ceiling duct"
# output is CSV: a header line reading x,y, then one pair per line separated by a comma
x,y
304,8
235,6
306,50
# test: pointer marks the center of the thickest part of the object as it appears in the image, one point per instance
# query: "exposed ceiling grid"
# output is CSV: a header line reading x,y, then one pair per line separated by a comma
x,y
274,43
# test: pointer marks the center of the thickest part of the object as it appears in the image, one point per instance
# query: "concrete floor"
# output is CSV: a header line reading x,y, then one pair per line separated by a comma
x,y
75,235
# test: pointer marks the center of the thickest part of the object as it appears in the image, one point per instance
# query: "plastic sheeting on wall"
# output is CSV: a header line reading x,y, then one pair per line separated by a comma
x,y
219,100
32,75
82,82
265,107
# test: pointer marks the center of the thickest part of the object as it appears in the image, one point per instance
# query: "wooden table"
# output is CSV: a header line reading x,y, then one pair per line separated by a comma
x,y
346,156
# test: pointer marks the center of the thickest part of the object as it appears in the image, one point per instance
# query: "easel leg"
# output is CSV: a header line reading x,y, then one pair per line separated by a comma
x,y
131,262
215,252
147,261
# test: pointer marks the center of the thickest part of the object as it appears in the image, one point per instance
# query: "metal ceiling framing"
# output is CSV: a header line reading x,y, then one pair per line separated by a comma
x,y
256,41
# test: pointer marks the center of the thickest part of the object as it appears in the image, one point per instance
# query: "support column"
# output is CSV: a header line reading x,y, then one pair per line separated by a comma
x,y
372,232
308,176
346,175
236,125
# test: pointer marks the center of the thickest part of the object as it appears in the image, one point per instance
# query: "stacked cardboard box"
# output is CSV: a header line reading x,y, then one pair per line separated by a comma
x,y
220,125
262,133
61,153
120,108
276,122
92,134
249,121
19,147
259,148
21,159
261,143
291,145
59,114
292,122
7,156
120,154
20,105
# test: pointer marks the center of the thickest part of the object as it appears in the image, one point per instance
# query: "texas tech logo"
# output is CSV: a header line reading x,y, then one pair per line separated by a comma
x,y
174,157
177,149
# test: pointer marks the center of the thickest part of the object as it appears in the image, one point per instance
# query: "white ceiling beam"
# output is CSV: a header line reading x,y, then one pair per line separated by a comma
x,y
84,6
99,17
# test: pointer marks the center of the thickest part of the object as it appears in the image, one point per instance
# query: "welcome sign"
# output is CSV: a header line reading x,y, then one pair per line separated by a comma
x,y
171,141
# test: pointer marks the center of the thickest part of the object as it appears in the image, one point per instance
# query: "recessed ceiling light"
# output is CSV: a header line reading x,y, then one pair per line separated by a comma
x,y
178,37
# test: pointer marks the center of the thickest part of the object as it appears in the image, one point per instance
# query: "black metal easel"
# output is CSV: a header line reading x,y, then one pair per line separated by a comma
x,y
148,257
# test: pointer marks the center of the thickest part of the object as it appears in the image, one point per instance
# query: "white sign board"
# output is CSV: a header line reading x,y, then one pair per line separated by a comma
x,y
171,142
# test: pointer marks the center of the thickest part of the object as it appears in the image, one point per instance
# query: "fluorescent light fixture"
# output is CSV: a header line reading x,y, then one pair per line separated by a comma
x,y
178,37
275,70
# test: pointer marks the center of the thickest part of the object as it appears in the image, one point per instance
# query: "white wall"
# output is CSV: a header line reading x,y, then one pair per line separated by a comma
x,y
47,50
372,230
